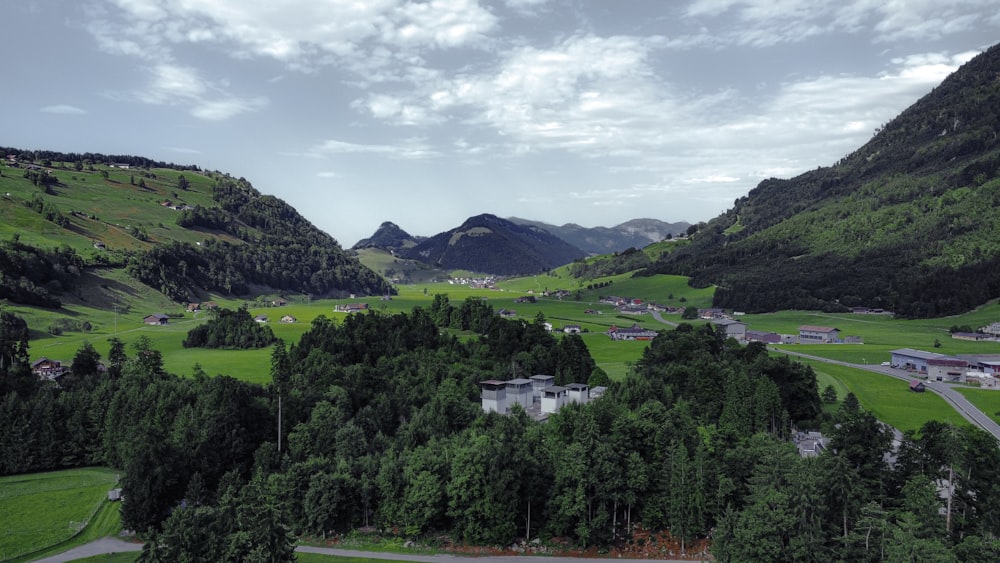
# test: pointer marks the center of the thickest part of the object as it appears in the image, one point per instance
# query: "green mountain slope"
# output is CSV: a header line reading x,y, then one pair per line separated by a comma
x,y
907,222
179,230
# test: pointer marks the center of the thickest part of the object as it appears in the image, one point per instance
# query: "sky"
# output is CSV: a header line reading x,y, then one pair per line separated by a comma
x,y
425,113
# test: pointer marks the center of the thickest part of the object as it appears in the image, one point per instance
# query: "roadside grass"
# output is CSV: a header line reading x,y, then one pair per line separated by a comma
x,y
984,400
55,510
888,398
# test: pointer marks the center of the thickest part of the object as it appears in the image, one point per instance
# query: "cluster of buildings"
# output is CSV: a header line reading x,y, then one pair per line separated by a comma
x,y
539,396
955,369
488,282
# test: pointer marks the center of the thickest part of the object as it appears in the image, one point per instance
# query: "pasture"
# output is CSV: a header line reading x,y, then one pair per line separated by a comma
x,y
41,510
888,398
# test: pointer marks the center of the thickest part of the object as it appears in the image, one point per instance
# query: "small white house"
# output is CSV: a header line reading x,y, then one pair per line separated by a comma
x,y
553,399
577,393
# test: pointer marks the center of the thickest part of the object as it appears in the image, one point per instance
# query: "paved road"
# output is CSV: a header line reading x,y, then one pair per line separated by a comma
x,y
447,558
102,546
113,545
956,399
656,315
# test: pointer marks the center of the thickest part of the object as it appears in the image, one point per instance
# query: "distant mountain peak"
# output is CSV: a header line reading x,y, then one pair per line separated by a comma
x,y
389,236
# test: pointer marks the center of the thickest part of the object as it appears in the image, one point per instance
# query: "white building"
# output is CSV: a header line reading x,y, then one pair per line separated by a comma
x,y
577,393
540,383
553,399
494,395
520,392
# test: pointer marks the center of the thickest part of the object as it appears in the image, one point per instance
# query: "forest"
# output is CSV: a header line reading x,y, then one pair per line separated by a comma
x,y
382,428
230,329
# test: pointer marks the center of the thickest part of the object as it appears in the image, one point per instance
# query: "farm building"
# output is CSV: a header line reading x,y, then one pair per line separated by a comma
x,y
915,360
989,364
572,329
762,336
733,329
947,369
156,319
635,332
917,386
289,319
351,308
809,334
260,319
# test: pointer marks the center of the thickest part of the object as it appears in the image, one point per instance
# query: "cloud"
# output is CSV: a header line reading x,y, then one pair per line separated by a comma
x,y
63,109
762,23
409,149
304,34
178,85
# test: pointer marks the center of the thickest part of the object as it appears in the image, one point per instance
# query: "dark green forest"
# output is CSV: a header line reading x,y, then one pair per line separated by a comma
x,y
230,329
905,223
381,426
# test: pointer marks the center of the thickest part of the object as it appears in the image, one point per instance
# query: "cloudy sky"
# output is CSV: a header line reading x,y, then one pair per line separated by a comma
x,y
427,112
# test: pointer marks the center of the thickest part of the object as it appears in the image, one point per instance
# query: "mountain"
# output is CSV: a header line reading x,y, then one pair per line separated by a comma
x,y
180,230
636,233
488,244
389,236
906,223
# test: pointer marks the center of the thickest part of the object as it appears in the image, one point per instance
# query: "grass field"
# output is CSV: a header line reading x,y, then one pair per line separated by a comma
x,y
41,510
985,400
888,398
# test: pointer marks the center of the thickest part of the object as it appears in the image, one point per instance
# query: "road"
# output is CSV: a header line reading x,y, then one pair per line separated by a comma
x,y
945,390
114,545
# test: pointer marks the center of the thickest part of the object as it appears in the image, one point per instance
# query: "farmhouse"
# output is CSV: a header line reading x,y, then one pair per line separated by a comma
x,y
809,334
260,319
572,329
974,336
192,307
636,332
289,319
279,302
45,368
156,319
351,308
733,329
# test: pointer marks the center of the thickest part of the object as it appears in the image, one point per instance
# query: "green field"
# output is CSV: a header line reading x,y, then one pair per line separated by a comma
x,y
888,398
41,510
985,400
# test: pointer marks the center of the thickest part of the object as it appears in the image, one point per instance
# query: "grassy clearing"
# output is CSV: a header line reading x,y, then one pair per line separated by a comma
x,y
888,398
985,400
42,510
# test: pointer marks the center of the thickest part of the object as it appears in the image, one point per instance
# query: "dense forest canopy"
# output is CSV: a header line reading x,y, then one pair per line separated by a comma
x,y
905,223
382,427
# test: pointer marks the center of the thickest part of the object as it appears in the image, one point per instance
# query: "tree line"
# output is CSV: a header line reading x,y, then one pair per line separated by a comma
x,y
381,426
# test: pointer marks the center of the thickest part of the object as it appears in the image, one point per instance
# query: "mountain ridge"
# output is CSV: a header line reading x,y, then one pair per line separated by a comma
x,y
902,223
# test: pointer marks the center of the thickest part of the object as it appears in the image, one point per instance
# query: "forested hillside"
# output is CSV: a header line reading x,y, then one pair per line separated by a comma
x,y
382,427
905,223
178,229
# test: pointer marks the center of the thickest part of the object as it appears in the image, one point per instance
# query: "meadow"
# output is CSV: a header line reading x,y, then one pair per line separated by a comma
x,y
888,398
59,508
